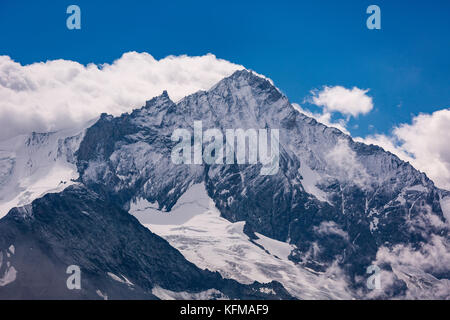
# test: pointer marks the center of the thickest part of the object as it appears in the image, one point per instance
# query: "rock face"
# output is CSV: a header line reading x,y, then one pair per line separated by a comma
x,y
340,204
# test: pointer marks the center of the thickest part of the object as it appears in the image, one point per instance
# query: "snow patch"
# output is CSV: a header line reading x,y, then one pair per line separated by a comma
x,y
102,295
277,248
9,276
418,187
189,205
267,291
374,224
121,279
310,180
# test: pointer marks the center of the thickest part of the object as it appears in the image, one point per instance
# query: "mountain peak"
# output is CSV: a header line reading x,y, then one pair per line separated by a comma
x,y
162,99
248,85
250,76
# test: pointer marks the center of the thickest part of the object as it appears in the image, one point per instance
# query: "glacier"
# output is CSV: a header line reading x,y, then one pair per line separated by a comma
x,y
214,243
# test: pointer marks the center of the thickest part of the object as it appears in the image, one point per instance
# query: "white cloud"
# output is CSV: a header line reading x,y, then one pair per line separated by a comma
x,y
424,143
330,227
347,102
339,99
432,257
345,161
59,94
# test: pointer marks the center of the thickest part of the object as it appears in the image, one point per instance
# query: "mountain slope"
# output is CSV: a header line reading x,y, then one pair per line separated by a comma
x,y
340,205
33,165
118,257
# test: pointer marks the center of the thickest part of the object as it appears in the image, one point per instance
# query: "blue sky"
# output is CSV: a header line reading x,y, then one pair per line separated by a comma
x,y
301,45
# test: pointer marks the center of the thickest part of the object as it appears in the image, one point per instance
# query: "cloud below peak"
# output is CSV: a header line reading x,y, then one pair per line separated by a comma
x,y
423,142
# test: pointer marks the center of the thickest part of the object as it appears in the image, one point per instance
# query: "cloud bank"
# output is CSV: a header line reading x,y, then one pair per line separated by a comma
x,y
427,263
59,94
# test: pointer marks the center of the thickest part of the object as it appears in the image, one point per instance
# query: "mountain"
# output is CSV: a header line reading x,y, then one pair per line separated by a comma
x,y
119,258
333,208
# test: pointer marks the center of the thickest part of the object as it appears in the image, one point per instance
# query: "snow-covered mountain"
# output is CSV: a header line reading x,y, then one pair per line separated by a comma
x,y
33,165
334,208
